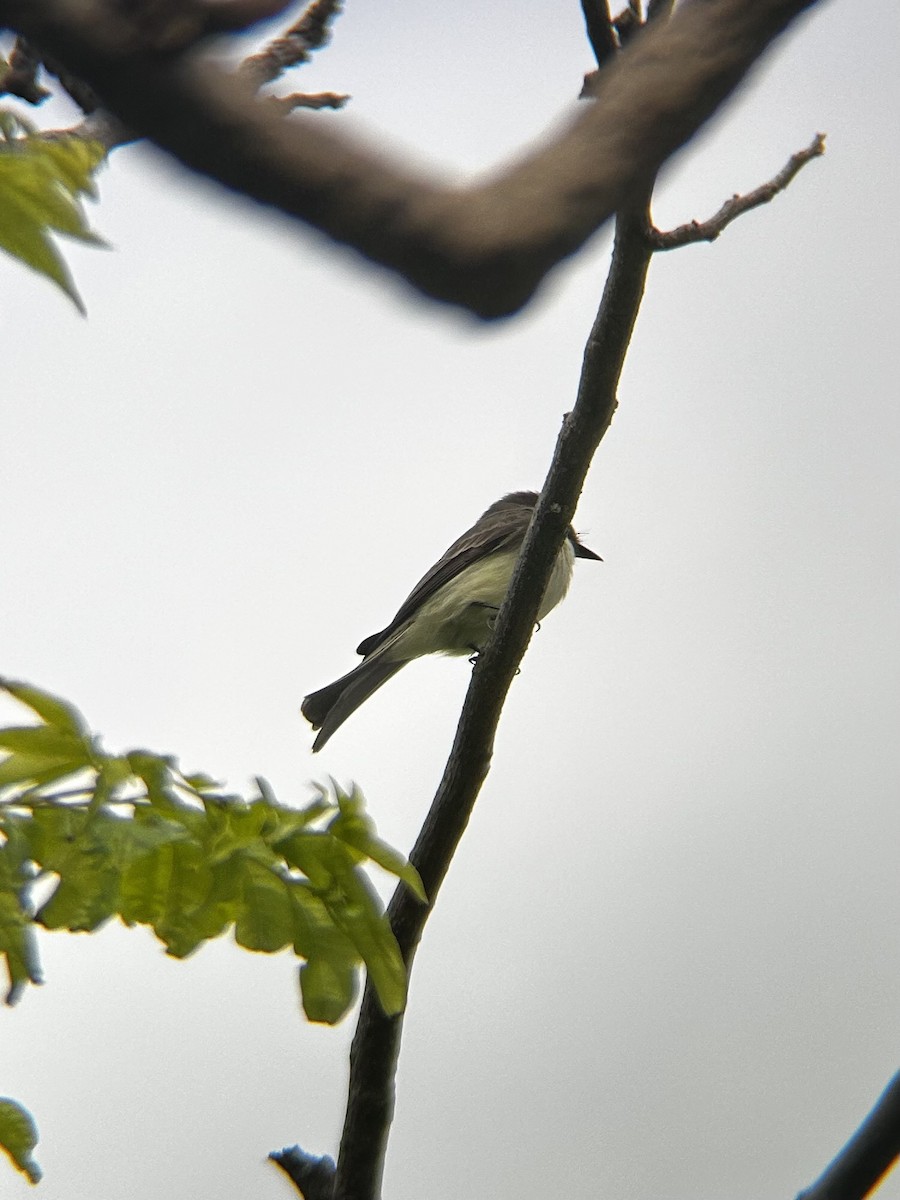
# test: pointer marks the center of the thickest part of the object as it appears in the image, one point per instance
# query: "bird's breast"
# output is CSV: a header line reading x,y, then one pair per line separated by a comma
x,y
458,618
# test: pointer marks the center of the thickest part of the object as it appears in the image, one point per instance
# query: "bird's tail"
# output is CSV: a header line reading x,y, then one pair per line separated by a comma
x,y
329,707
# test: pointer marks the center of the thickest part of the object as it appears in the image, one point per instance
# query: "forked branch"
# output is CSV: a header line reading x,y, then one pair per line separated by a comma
x,y
708,231
485,247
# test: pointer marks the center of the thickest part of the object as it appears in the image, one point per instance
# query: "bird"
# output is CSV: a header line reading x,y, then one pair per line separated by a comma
x,y
451,610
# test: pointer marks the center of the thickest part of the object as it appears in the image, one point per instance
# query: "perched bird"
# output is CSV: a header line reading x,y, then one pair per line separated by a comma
x,y
450,610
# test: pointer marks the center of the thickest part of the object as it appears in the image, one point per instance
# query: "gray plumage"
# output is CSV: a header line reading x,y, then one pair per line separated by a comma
x,y
449,611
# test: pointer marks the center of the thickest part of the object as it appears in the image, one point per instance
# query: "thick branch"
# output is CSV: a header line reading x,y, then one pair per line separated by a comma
x,y
486,247
708,231
869,1154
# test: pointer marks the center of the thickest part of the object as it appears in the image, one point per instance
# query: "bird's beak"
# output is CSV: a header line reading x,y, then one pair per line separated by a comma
x,y
583,552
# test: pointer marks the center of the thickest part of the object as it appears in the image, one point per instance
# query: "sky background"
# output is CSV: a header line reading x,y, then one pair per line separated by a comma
x,y
665,961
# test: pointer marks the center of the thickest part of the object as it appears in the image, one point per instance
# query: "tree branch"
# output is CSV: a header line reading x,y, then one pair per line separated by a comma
x,y
376,1044
869,1154
485,247
20,77
309,100
296,45
708,231
313,1177
373,1057
599,28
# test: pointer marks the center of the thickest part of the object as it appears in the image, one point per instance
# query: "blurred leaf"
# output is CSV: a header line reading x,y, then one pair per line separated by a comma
x,y
17,945
18,1137
357,829
44,740
202,783
314,855
34,769
74,161
51,709
41,181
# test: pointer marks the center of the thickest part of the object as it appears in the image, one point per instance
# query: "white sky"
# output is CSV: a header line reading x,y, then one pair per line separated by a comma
x,y
666,960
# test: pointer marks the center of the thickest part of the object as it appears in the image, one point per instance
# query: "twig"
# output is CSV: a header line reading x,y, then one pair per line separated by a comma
x,y
310,32
869,1154
708,231
599,27
309,100
20,77
486,247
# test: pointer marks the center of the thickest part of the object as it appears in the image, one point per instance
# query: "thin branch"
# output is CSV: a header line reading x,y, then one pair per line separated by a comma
x,y
313,100
296,45
599,28
376,1044
486,247
708,231
869,1154
20,77
628,22
308,33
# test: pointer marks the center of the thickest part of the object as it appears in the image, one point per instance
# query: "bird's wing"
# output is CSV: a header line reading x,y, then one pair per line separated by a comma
x,y
493,532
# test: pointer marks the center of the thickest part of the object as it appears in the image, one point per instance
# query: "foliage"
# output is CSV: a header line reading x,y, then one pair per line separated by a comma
x,y
18,1137
42,178
132,836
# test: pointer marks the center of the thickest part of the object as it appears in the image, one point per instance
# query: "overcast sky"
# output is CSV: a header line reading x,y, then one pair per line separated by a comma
x,y
665,962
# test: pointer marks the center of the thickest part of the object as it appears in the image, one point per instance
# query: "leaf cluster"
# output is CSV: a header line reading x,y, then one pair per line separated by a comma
x,y
86,836
42,180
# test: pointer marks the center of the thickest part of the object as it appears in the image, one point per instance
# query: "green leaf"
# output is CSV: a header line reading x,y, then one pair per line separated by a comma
x,y
134,837
265,921
51,709
183,923
360,834
235,827
53,833
85,897
41,181
18,1137
18,946
361,917
41,739
202,783
74,161
117,770
34,769
145,886
315,856
328,989
155,771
